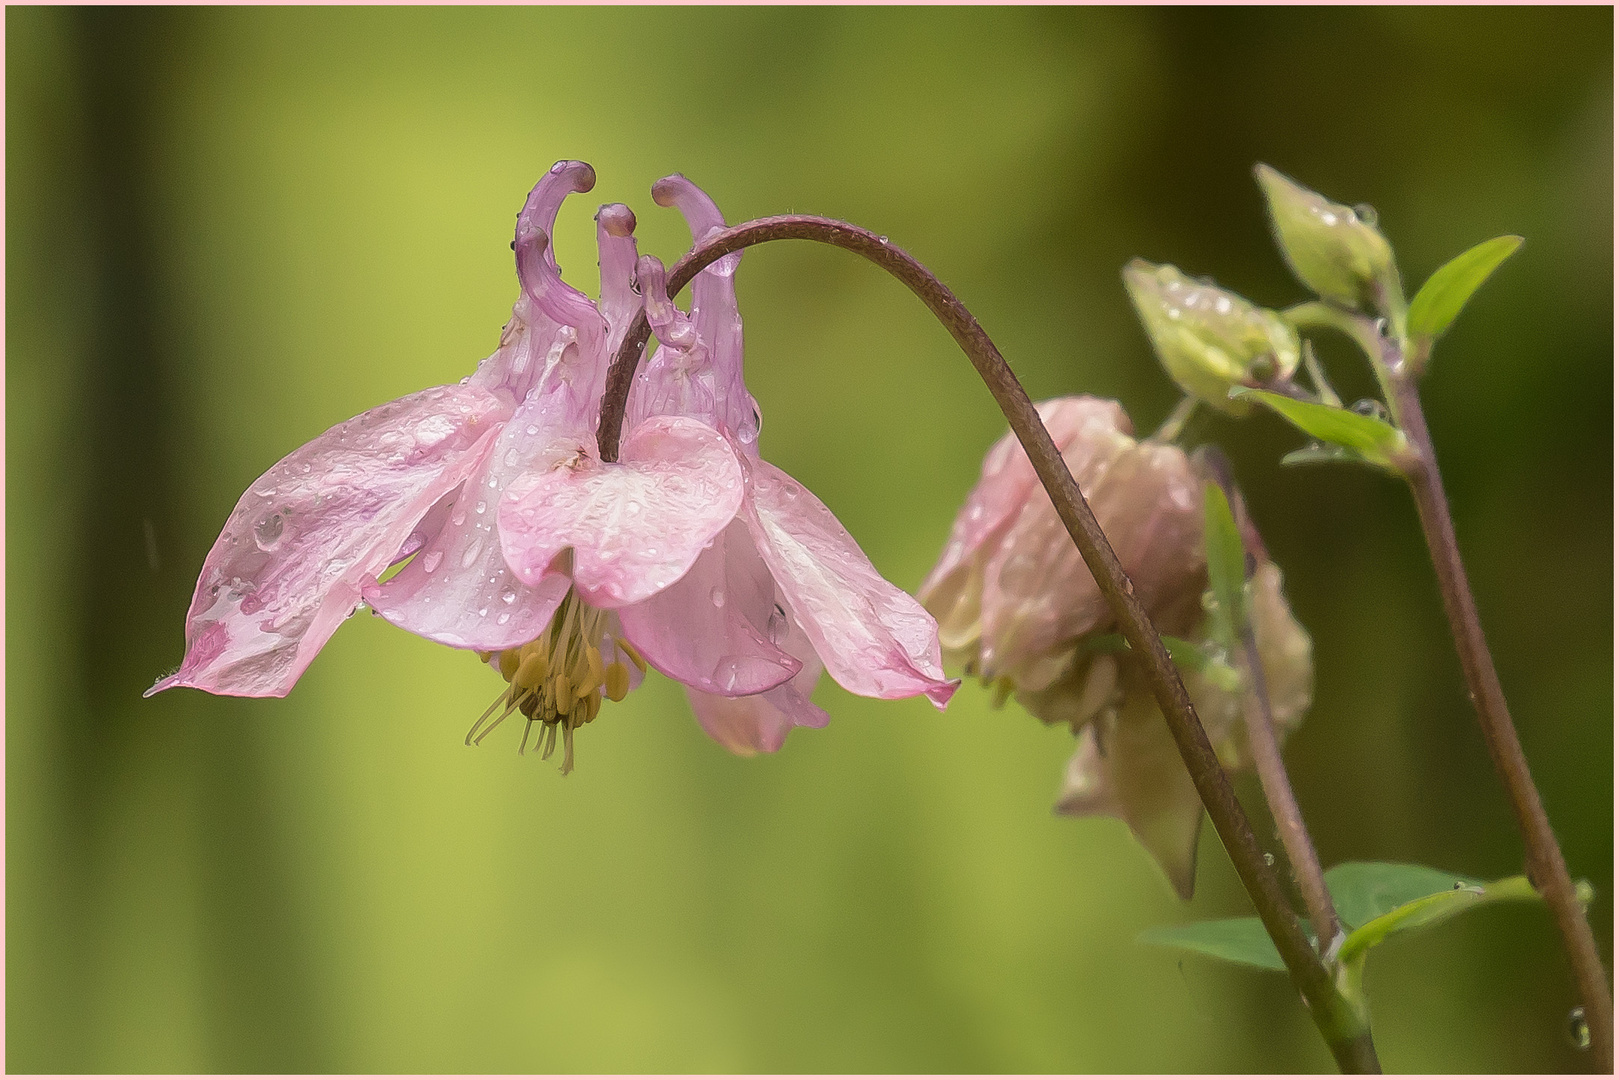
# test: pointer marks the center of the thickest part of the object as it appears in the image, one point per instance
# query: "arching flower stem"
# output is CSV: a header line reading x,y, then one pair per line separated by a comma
x,y
1345,1033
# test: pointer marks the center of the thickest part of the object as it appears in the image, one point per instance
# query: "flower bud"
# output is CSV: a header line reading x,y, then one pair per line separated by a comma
x,y
1335,250
1207,338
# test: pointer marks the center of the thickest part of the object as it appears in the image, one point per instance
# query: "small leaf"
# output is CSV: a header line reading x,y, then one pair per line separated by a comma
x,y
1362,891
1430,911
1240,941
1223,546
1318,454
1441,297
1375,440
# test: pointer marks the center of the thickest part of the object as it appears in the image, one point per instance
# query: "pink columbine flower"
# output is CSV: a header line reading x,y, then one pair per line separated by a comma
x,y
1018,607
570,615
724,572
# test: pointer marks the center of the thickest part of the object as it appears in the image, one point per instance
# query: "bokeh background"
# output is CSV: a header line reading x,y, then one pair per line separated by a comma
x,y
227,230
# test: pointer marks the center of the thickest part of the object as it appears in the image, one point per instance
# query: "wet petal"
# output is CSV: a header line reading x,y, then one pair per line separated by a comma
x,y
459,591
537,269
637,525
874,639
760,723
615,241
288,567
1128,767
709,629
1005,484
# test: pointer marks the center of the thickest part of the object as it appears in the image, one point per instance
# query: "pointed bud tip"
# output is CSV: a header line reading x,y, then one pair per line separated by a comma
x,y
617,219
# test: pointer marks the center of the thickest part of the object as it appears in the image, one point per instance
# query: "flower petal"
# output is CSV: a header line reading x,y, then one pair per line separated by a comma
x,y
1131,769
708,630
760,723
637,525
615,242
288,567
875,639
459,591
954,591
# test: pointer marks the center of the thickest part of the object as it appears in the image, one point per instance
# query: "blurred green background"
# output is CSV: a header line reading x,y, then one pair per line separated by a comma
x,y
229,229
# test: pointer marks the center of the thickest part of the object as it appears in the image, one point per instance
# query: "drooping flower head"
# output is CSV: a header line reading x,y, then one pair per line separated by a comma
x,y
565,573
740,591
1018,607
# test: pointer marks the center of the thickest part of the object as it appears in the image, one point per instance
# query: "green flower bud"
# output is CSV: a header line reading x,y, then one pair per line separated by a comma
x,y
1208,339
1335,250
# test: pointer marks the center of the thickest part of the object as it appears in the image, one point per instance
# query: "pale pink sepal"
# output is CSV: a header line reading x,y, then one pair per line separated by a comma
x,y
759,724
710,629
289,565
876,640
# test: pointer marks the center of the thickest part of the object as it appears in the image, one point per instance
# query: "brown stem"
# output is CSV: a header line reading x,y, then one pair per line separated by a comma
x,y
1284,807
1543,858
1348,1039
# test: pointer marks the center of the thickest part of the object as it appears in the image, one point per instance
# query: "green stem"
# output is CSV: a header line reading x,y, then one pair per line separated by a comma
x,y
1345,1033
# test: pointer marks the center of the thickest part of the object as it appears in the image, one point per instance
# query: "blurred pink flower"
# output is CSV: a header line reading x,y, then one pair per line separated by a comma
x,y
1018,607
726,574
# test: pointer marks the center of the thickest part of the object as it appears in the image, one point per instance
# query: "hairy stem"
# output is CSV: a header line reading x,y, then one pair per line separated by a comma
x,y
1347,1037
1543,857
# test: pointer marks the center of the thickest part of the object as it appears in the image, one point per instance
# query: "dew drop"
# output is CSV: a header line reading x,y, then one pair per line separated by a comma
x,y
481,507
1270,860
267,533
1371,407
776,628
531,430
431,560
1329,218
1579,1032
505,617
482,612
472,554
460,518
718,596
508,597
1366,213
632,507
510,459
882,239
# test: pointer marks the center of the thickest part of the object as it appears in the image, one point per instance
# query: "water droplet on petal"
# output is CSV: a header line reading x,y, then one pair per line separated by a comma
x,y
1366,213
531,430
431,560
481,507
511,461
267,533
718,596
482,612
1371,407
508,597
460,518
505,617
632,507
472,554
1270,860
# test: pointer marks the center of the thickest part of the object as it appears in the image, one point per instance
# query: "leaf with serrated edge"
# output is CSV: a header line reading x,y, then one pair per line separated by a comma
x,y
1376,441
1442,296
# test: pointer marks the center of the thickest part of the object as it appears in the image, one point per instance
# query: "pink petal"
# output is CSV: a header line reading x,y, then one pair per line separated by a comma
x,y
459,590
636,526
615,241
760,723
1006,482
875,639
708,630
288,567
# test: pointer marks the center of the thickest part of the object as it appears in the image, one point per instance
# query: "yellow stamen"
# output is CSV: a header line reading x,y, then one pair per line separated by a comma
x,y
629,651
564,691
617,680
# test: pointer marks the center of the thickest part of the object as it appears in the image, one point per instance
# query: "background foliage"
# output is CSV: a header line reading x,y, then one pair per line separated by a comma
x,y
230,229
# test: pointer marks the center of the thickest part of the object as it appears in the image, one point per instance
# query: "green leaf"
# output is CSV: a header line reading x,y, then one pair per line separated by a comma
x,y
1318,454
1430,911
1223,546
1240,941
1374,440
1441,297
1362,891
